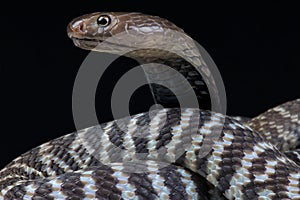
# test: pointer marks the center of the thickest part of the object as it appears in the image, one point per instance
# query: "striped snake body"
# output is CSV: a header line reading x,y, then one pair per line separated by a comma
x,y
172,153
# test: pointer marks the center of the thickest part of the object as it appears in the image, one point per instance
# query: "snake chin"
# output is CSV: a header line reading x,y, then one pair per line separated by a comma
x,y
106,46
87,44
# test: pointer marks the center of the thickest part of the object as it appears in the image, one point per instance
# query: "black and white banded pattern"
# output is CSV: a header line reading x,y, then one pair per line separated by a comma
x,y
98,162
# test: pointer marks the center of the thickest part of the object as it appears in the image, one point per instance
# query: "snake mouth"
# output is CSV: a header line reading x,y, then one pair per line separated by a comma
x,y
86,43
101,45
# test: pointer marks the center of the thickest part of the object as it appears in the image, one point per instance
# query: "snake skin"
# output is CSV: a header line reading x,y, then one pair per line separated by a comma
x,y
283,120
172,153
241,163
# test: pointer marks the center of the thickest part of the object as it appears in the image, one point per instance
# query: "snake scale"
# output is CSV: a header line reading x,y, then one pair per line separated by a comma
x,y
170,153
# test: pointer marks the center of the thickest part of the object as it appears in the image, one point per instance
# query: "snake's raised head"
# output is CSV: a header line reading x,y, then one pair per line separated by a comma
x,y
118,31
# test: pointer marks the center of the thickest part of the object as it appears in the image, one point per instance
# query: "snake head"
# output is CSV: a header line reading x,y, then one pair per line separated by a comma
x,y
116,32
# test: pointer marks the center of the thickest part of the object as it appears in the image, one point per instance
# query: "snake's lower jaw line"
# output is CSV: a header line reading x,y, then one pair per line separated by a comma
x,y
87,45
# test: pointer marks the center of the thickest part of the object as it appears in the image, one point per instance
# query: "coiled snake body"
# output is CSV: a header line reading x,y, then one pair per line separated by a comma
x,y
171,153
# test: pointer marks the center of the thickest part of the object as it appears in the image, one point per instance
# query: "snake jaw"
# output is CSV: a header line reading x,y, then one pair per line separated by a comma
x,y
87,44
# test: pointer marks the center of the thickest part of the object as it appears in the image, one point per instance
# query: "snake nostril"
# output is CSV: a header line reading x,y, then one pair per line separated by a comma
x,y
79,27
82,27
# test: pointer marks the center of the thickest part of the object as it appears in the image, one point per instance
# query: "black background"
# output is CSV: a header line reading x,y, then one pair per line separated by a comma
x,y
255,47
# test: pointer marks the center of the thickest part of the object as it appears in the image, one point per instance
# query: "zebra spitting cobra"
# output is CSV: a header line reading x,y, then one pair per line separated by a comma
x,y
170,153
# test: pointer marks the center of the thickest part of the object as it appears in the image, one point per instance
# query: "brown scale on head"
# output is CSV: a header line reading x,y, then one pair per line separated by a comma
x,y
121,30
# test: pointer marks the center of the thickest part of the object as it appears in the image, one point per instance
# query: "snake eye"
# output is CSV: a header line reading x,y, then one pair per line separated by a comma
x,y
103,20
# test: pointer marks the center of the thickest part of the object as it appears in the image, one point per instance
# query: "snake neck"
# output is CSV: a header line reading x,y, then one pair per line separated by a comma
x,y
173,81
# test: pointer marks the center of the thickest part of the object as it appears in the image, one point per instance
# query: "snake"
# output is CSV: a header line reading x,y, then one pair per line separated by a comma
x,y
167,153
